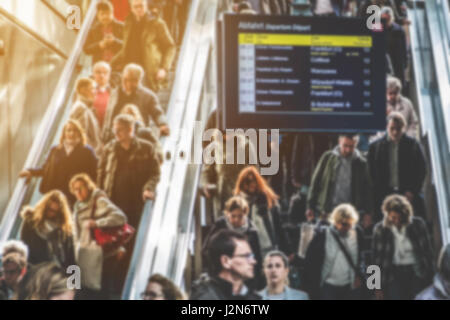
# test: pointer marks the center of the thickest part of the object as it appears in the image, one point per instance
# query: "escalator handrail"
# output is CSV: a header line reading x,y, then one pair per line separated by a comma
x,y
178,108
56,106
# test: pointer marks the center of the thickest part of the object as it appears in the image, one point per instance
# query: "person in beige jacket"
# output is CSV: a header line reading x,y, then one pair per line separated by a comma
x,y
93,210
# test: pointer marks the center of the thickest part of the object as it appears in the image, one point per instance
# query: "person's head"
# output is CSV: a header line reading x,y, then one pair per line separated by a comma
x,y
344,217
236,211
443,263
161,288
139,8
105,12
276,268
393,89
52,207
133,111
123,128
230,254
131,78
397,211
73,133
85,88
14,261
251,182
396,126
243,5
387,14
102,73
82,186
347,144
48,283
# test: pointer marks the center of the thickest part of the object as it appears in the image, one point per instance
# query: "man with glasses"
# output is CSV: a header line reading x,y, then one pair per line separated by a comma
x,y
231,262
14,262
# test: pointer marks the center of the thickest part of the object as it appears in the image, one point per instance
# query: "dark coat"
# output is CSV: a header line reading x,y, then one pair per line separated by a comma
x,y
273,223
324,178
411,166
315,259
59,168
39,248
216,288
396,48
159,49
144,176
4,291
92,45
383,250
146,101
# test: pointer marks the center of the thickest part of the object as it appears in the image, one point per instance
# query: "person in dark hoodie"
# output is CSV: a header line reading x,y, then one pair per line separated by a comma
x,y
231,263
440,289
47,229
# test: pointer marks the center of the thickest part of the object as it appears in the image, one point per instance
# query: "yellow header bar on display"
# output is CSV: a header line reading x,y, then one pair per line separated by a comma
x,y
271,39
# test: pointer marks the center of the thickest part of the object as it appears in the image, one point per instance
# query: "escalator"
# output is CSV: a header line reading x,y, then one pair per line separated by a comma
x,y
58,111
430,48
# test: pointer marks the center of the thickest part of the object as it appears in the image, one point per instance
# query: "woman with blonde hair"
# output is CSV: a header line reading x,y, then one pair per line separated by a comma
x,y
264,209
70,157
334,258
47,230
402,249
276,270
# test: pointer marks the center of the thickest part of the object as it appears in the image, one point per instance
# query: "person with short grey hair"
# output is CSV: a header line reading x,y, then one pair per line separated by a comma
x,y
133,92
397,102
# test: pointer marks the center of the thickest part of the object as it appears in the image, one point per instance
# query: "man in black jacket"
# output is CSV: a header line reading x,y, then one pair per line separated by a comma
x,y
231,263
396,44
397,165
106,37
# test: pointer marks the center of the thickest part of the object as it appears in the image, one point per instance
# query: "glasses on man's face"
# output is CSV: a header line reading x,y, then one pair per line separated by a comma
x,y
248,256
150,295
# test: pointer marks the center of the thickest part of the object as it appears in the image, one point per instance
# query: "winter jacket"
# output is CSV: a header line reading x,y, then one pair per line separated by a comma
x,y
59,168
106,215
411,166
439,290
92,45
144,174
85,115
383,249
5,292
47,247
147,103
315,259
159,46
323,182
215,288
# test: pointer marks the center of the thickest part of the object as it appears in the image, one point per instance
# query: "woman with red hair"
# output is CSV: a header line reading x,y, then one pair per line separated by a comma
x,y
264,209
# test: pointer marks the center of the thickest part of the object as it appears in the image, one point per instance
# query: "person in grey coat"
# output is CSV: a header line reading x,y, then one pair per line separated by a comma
x,y
93,210
440,289
276,270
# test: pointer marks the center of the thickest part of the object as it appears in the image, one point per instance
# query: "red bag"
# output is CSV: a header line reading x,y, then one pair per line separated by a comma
x,y
113,237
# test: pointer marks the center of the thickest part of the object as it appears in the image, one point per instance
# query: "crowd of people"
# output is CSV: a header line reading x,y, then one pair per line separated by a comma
x,y
360,196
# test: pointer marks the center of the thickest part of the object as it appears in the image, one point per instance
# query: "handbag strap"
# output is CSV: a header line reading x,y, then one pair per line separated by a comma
x,y
346,254
94,206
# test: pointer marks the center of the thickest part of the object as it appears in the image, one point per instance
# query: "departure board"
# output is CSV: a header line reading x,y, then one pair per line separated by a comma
x,y
302,74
